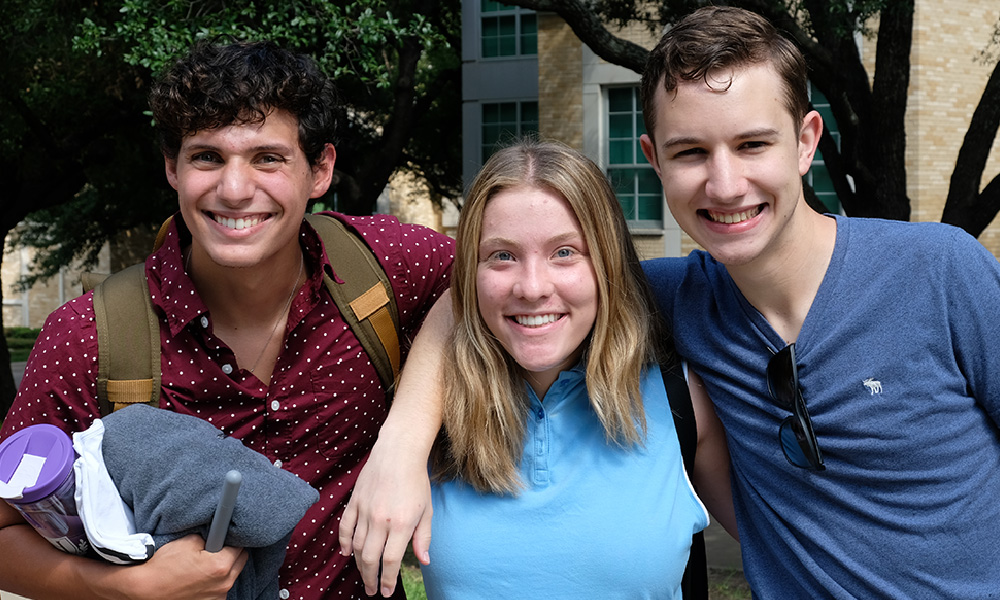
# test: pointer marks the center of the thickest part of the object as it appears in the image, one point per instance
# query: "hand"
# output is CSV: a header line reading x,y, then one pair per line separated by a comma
x,y
391,502
183,569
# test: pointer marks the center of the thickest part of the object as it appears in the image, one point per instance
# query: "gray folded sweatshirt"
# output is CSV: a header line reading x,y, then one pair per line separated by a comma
x,y
169,468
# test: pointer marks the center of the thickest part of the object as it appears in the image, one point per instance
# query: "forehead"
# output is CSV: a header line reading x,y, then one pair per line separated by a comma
x,y
727,101
279,128
528,212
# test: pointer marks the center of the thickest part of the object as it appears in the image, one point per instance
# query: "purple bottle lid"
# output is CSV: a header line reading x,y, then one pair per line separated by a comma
x,y
44,440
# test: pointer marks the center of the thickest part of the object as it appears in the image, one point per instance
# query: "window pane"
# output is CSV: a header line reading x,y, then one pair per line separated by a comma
x,y
620,152
821,181
620,99
650,208
491,112
620,126
506,26
508,112
529,34
490,6
648,182
640,125
507,46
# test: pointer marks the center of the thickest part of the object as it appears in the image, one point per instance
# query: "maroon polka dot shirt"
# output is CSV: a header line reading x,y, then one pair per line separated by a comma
x,y
319,416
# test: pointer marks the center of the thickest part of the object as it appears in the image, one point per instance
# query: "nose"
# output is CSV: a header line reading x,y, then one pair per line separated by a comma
x,y
726,178
535,281
235,183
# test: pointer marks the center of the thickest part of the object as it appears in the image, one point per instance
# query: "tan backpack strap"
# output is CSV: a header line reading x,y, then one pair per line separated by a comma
x,y
364,298
162,233
128,341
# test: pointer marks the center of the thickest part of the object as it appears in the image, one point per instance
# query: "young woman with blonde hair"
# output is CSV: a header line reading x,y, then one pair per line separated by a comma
x,y
558,471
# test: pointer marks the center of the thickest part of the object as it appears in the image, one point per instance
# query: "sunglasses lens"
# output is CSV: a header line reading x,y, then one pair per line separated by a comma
x,y
798,446
781,380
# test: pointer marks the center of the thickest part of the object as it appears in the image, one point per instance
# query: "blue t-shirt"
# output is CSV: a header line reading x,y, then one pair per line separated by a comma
x,y
594,521
900,371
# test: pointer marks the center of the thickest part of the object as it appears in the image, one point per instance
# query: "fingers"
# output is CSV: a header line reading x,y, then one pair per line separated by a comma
x,y
368,554
422,537
347,524
392,558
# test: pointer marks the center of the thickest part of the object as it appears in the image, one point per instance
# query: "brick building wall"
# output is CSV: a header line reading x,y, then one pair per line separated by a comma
x,y
560,81
945,86
30,308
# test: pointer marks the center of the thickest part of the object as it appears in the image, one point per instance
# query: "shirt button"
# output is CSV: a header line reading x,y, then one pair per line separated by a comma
x,y
541,414
204,322
275,405
283,594
278,463
227,369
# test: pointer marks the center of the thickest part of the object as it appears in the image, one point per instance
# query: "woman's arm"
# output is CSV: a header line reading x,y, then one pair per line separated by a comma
x,y
711,461
391,500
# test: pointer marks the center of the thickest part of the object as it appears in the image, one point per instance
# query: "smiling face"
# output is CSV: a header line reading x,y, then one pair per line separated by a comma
x,y
731,158
536,286
243,190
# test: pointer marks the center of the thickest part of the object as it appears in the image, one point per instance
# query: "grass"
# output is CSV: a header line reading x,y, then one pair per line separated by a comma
x,y
723,584
19,342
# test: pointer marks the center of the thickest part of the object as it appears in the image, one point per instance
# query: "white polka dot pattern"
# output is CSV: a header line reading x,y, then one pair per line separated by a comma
x,y
320,414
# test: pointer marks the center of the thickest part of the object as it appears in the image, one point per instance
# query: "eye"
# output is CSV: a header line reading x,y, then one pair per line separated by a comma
x,y
502,255
565,252
689,152
754,145
205,157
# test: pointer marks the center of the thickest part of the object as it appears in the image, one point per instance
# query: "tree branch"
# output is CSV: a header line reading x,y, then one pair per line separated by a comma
x,y
587,25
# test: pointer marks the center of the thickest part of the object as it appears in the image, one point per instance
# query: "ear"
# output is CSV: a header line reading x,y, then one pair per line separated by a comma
x,y
170,166
649,150
323,171
809,134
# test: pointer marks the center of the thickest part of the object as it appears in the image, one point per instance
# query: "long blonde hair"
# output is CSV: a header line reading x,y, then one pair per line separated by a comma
x,y
486,401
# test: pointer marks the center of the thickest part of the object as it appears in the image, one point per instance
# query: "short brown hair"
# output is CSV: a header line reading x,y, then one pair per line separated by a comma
x,y
722,37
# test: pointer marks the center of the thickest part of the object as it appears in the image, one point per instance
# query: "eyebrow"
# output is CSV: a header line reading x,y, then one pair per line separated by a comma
x,y
276,148
762,132
556,239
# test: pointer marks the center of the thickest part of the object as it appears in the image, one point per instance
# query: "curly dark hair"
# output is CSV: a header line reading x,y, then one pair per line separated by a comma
x,y
217,85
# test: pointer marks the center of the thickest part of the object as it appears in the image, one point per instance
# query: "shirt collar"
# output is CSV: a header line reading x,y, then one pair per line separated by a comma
x,y
174,294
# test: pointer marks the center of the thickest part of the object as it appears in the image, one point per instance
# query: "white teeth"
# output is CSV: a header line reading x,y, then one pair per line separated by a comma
x,y
730,218
237,224
535,320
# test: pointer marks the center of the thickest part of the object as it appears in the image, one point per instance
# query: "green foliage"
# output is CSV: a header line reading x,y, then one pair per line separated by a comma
x,y
348,41
76,136
19,342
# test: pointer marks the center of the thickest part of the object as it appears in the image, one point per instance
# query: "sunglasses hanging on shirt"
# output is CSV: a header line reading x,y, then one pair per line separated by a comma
x,y
798,441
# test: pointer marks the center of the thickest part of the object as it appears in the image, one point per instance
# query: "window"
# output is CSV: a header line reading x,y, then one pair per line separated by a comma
x,y
507,30
505,121
634,180
818,176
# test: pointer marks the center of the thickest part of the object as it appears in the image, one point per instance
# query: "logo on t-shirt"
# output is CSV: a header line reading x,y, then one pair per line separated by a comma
x,y
873,385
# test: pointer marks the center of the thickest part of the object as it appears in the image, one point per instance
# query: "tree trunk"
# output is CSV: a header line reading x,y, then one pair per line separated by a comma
x,y
965,206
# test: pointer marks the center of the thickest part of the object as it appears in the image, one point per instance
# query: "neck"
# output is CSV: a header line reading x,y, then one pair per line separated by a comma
x,y
783,284
244,297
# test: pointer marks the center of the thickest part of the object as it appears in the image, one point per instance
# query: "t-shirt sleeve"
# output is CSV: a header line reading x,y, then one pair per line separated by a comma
x,y
60,378
972,282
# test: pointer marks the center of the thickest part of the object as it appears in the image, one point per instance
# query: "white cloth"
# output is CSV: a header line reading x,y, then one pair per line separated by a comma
x,y
108,521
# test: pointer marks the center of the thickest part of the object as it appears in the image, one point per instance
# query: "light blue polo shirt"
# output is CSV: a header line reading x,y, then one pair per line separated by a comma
x,y
594,520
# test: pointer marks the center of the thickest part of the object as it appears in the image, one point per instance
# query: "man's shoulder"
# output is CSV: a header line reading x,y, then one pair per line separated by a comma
x,y
380,230
675,268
